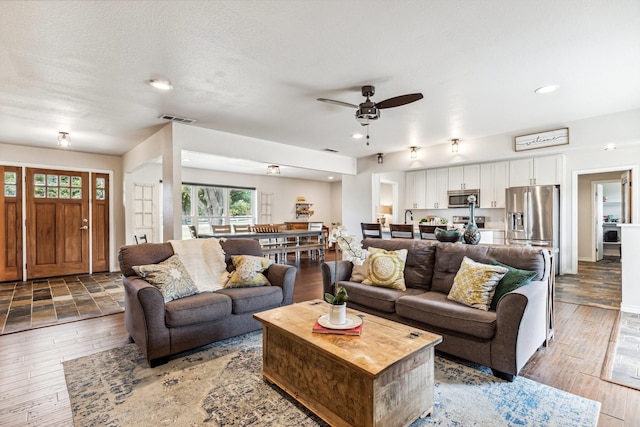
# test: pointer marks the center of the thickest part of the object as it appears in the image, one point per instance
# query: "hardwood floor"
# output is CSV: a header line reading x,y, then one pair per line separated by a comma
x,y
33,390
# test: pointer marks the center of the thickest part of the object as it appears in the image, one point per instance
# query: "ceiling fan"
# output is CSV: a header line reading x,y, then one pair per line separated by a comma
x,y
370,110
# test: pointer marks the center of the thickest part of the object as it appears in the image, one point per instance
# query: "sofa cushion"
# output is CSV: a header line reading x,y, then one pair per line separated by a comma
x,y
170,277
475,283
449,257
197,309
386,268
150,253
511,281
433,308
251,300
239,247
248,272
378,298
418,268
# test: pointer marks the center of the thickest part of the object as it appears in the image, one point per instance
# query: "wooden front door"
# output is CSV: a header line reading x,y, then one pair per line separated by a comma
x,y
57,222
100,221
10,223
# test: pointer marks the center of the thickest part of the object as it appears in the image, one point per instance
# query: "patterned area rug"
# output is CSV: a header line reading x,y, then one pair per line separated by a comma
x,y
221,385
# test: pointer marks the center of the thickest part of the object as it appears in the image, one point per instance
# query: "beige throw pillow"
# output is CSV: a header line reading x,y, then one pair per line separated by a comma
x,y
386,268
475,283
359,273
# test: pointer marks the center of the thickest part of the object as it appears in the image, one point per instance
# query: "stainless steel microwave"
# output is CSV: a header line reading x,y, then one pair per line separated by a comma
x,y
459,198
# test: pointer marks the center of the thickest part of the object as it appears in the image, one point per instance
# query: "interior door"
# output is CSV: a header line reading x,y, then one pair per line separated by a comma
x,y
599,231
10,223
100,221
57,222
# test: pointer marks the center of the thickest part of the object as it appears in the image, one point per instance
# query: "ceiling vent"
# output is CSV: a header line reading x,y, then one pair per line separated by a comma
x,y
178,119
329,150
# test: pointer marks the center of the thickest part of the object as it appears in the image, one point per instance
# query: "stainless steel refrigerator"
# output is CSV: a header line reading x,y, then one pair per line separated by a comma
x,y
533,216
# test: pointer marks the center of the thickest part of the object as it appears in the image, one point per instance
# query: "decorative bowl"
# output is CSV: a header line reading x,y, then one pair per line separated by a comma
x,y
452,235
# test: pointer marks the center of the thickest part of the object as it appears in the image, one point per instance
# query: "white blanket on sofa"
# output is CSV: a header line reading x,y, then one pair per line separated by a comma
x,y
203,259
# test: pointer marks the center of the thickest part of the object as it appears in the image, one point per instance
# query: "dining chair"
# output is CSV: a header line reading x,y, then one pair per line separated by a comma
x,y
373,230
193,231
426,231
316,226
225,228
241,228
401,231
142,238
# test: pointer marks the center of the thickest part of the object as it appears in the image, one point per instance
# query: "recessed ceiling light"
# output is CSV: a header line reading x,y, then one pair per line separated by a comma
x,y
547,89
330,177
610,146
357,136
161,84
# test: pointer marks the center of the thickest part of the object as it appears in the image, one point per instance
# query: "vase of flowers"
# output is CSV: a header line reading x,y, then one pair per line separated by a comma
x,y
351,251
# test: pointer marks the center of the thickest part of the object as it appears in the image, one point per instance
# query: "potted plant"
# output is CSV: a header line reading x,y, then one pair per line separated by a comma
x,y
338,305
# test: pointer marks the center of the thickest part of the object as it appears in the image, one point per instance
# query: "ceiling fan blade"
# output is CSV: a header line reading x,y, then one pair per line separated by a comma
x,y
333,101
399,100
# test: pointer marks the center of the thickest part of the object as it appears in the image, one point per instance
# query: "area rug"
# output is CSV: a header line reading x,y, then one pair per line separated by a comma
x,y
221,385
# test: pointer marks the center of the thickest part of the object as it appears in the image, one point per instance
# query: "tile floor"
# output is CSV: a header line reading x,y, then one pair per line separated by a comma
x,y
626,365
44,302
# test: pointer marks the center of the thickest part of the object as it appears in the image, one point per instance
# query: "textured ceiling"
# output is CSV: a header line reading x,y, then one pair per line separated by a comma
x,y
256,67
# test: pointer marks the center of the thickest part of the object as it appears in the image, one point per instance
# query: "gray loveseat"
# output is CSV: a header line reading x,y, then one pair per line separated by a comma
x,y
503,339
161,330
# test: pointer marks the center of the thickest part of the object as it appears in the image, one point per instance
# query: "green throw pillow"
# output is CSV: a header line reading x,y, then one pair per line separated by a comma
x,y
511,281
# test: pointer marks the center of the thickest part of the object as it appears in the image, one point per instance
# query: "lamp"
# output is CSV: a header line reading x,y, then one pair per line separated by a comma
x,y
380,158
273,170
383,211
454,145
64,140
414,152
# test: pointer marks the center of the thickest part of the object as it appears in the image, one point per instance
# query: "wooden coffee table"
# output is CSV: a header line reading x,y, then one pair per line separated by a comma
x,y
383,377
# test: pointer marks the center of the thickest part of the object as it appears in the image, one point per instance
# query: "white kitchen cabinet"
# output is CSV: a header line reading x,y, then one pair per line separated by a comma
x,y
464,177
543,170
437,188
494,179
415,190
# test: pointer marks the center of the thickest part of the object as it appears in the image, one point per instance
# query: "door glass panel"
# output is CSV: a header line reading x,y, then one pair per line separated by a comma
x,y
10,187
76,193
65,181
65,193
9,190
39,179
76,181
52,192
52,180
99,194
10,177
39,192
100,182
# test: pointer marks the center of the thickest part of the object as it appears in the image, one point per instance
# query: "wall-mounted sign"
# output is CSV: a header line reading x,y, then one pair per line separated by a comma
x,y
541,140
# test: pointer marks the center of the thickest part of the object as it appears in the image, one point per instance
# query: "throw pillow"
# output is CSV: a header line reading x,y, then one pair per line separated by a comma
x,y
475,283
359,273
248,271
170,277
386,268
511,281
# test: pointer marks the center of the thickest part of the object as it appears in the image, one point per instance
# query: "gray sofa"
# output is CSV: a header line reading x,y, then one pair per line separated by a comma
x,y
161,330
503,339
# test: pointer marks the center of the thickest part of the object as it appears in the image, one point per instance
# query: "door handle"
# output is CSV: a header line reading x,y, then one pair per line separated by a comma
x,y
84,227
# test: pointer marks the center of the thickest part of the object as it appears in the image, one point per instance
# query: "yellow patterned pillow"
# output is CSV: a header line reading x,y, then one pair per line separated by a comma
x,y
475,283
248,271
386,268
170,277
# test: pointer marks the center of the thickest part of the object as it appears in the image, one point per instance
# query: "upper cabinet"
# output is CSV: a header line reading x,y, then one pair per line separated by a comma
x,y
494,179
437,188
415,189
464,177
535,171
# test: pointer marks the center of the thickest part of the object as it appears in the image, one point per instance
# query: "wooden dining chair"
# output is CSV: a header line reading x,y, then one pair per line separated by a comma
x,y
193,230
372,230
401,231
426,231
142,238
241,228
225,228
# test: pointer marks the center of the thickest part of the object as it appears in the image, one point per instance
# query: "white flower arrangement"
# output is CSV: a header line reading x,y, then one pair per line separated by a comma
x,y
351,249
